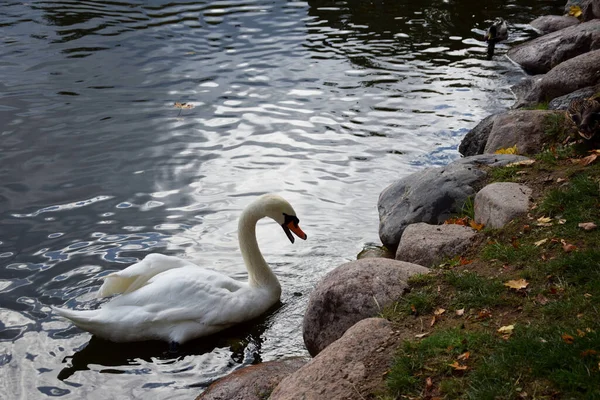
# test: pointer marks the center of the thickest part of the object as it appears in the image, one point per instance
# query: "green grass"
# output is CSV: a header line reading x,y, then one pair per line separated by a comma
x,y
505,174
474,291
555,127
509,254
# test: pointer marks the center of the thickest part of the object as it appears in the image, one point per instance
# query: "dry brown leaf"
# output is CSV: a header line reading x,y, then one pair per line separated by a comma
x,y
587,226
588,352
476,226
517,284
562,221
460,312
567,247
567,338
483,314
433,321
439,311
413,309
589,159
464,261
543,300
580,333
587,295
464,356
464,221
422,335
457,366
540,242
559,180
428,383
524,162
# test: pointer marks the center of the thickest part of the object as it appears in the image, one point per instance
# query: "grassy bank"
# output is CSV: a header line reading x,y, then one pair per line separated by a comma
x,y
517,317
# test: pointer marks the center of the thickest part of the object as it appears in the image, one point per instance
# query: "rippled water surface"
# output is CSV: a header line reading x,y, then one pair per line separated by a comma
x,y
325,102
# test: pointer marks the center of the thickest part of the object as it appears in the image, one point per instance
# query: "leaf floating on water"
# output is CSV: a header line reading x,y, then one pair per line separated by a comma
x,y
509,150
517,284
182,106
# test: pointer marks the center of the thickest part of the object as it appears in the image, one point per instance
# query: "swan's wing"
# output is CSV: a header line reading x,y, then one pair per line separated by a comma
x,y
137,275
189,293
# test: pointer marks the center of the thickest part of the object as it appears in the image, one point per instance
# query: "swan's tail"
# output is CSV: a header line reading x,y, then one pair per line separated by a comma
x,y
83,319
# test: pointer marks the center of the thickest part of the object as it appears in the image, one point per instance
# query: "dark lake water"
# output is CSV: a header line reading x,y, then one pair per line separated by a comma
x,y
325,102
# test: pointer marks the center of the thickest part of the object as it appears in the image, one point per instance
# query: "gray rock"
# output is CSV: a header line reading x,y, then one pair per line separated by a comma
x,y
569,76
432,195
499,203
562,102
352,367
541,54
551,23
474,141
428,245
351,292
523,128
590,8
255,382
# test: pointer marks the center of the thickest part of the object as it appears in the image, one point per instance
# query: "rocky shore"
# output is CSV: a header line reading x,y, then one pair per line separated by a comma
x,y
351,345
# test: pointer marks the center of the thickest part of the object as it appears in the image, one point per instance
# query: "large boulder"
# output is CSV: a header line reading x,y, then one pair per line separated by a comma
x,y
541,54
562,102
499,203
427,245
351,292
523,128
254,382
569,76
552,23
352,367
474,141
432,195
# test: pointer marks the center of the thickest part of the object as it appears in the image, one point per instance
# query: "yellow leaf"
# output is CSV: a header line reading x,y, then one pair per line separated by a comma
x,y
520,163
544,219
575,11
517,284
540,242
476,226
508,329
457,366
509,150
439,311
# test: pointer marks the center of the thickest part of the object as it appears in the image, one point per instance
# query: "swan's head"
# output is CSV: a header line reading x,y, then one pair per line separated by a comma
x,y
278,209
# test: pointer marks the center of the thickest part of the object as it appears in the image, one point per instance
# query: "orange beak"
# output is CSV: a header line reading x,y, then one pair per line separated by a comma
x,y
292,226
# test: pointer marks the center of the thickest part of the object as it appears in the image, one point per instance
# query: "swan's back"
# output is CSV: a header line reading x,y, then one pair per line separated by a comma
x,y
137,275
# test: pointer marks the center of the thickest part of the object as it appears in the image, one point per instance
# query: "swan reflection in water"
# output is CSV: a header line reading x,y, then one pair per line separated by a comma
x,y
242,341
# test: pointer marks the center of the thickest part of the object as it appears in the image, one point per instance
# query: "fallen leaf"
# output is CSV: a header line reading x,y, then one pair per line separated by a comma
x,y
589,159
457,366
567,247
422,335
580,333
587,226
460,312
433,321
428,383
587,295
517,163
544,221
540,242
413,309
568,338
457,221
476,226
508,329
526,228
183,105
439,311
483,314
559,180
464,356
464,261
509,150
517,284
543,300
575,11
562,221
589,352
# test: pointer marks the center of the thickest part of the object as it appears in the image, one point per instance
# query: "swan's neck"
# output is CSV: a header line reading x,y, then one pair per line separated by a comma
x,y
259,273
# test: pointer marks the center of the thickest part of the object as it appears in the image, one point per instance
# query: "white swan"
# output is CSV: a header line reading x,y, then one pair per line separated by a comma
x,y
167,298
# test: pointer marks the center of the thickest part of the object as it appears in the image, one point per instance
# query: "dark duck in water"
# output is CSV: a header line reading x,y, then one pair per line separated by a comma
x,y
497,32
585,114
